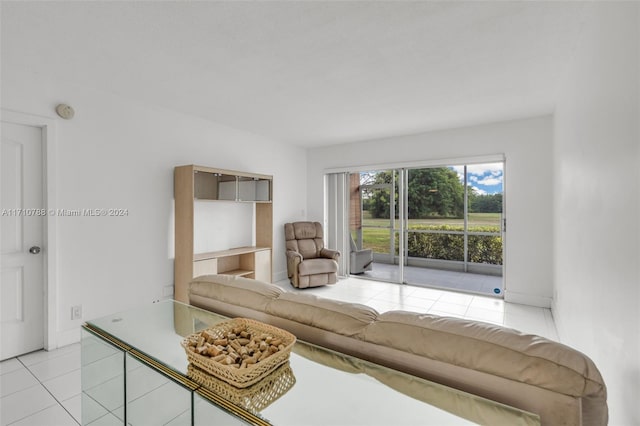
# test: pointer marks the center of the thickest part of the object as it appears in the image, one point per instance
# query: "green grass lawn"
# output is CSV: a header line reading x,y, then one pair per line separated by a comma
x,y
475,219
376,233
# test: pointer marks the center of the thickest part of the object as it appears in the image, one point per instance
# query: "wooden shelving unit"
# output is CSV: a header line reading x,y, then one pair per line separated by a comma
x,y
195,184
251,262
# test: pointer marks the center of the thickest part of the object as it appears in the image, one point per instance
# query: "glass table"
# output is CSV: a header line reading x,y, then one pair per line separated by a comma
x,y
135,372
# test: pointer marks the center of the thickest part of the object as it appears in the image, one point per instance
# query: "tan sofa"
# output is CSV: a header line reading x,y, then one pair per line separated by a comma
x,y
560,384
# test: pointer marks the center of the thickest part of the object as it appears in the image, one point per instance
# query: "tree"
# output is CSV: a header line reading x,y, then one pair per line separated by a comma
x,y
378,200
488,203
433,192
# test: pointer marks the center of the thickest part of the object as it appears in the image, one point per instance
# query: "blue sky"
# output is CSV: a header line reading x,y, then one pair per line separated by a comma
x,y
484,178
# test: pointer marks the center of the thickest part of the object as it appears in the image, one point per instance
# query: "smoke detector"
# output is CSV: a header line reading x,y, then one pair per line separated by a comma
x,y
65,111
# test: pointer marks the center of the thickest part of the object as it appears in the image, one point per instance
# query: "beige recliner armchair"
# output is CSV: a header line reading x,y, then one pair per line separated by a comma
x,y
309,263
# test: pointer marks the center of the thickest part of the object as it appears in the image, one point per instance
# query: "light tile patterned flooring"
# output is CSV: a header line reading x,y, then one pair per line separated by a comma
x,y
384,296
43,388
434,278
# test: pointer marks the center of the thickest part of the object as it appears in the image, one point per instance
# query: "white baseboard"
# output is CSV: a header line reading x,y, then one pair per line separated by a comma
x,y
280,276
527,299
68,337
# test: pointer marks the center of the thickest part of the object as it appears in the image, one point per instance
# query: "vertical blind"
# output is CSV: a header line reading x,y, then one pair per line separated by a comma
x,y
336,226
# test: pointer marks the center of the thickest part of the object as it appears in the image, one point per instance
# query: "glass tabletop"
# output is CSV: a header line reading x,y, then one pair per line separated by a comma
x,y
319,386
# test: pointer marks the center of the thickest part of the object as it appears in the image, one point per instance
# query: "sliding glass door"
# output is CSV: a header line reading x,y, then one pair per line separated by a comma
x,y
432,225
454,224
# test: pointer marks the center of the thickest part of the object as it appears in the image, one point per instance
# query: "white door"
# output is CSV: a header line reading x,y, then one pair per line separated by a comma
x,y
22,260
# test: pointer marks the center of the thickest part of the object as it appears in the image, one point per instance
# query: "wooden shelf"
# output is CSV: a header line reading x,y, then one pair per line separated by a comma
x,y
193,183
228,185
238,272
226,253
250,262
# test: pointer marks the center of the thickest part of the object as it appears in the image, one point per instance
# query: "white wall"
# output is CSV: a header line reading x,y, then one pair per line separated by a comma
x,y
118,153
526,145
597,210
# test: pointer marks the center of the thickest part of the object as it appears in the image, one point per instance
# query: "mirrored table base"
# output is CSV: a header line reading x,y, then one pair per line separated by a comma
x,y
121,386
135,372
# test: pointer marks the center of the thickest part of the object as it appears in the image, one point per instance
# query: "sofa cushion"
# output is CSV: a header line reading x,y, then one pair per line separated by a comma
x,y
237,290
492,349
339,317
318,266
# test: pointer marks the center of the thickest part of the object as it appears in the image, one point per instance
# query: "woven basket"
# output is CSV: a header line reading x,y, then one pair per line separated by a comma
x,y
242,377
254,398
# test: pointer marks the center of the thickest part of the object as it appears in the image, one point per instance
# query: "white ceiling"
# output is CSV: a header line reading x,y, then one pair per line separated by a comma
x,y
308,72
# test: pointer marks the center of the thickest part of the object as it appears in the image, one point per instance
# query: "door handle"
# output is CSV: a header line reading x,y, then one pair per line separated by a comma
x,y
34,250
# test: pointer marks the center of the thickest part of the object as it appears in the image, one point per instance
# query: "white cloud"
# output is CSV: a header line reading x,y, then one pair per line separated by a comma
x,y
479,191
459,170
490,174
490,181
482,169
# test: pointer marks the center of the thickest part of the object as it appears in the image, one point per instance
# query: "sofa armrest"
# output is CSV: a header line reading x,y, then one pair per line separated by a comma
x,y
330,254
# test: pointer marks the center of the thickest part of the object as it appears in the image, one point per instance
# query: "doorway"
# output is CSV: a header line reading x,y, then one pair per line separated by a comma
x,y
436,226
22,231
46,127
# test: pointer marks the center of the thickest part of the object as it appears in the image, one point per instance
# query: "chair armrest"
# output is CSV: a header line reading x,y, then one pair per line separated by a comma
x,y
294,254
330,254
368,253
293,260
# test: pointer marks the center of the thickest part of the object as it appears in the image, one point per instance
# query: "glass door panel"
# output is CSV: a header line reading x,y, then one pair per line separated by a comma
x,y
374,213
435,212
455,224
485,220
376,232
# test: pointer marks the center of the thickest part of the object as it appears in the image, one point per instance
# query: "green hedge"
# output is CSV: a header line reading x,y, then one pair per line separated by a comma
x,y
482,248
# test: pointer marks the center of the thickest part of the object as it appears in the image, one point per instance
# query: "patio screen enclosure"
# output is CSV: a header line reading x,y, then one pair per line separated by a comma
x,y
438,217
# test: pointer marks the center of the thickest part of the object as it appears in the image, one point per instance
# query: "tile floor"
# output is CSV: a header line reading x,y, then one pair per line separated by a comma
x,y
43,388
435,278
385,297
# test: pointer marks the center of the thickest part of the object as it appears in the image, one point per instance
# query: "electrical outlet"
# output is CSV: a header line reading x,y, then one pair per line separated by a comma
x,y
76,312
